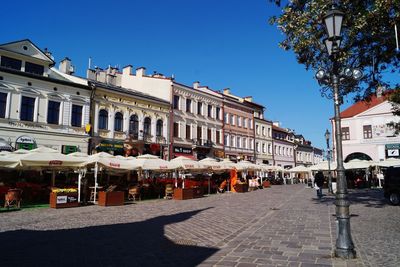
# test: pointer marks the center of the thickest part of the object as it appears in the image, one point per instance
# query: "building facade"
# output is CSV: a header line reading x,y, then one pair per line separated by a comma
x,y
304,152
195,120
283,141
238,128
39,104
125,121
366,130
263,138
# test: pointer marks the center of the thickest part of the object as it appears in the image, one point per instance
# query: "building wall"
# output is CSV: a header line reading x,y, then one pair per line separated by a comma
x,y
382,136
264,146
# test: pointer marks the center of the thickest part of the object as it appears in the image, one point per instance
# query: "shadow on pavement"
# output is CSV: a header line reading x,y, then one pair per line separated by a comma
x,y
132,244
368,197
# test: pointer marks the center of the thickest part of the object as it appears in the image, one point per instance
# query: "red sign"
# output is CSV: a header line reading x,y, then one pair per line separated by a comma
x,y
115,165
55,162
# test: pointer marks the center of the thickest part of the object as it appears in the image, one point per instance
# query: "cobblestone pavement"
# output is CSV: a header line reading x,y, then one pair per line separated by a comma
x,y
279,226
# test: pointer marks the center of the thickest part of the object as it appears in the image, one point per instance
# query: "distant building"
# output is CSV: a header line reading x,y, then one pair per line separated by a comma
x,y
39,104
366,133
283,141
304,152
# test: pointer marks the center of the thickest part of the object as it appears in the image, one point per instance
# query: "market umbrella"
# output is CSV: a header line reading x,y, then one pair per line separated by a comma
x,y
300,169
390,162
358,164
8,160
247,165
323,166
151,162
227,164
212,164
184,163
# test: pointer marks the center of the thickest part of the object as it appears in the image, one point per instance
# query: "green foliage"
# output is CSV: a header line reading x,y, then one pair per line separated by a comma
x,y
368,38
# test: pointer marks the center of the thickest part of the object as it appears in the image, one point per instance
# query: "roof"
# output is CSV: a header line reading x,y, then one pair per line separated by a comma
x,y
364,105
126,91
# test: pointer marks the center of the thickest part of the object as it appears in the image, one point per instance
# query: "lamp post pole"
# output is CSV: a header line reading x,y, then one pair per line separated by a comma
x,y
333,23
327,136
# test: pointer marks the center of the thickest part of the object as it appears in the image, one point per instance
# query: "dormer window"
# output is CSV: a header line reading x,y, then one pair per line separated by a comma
x,y
34,68
11,63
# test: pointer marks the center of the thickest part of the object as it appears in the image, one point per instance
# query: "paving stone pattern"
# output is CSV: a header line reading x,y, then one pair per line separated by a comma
x,y
279,226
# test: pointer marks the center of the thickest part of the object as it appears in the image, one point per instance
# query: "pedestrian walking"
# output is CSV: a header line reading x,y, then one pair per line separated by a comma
x,y
319,182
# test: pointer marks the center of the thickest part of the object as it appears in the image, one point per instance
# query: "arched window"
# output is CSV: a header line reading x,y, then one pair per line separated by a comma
x,y
134,126
103,119
118,121
147,127
159,128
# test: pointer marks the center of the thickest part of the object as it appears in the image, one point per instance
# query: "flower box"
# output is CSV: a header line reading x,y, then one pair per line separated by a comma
x,y
182,194
241,188
113,198
266,184
63,200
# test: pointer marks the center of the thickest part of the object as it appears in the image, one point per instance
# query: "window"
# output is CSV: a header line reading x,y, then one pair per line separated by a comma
x,y
188,132
218,136
226,118
209,137
263,130
269,132
176,102
258,147
147,127
226,140
239,121
118,120
238,142
264,148
103,119
257,130
209,111
199,134
232,120
345,133
27,108
367,129
76,116
176,129
244,142
269,149
134,126
159,128
3,105
245,122
53,112
232,141
199,108
34,68
218,113
251,123
188,105
11,63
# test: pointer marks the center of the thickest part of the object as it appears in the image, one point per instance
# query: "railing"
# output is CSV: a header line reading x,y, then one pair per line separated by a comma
x,y
202,142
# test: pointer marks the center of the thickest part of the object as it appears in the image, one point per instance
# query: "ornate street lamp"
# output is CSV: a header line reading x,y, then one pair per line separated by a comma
x,y
328,157
333,25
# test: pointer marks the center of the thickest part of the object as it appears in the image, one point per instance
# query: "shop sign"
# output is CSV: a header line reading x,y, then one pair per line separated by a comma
x,y
25,142
55,163
71,199
115,165
107,145
183,150
62,199
393,150
69,149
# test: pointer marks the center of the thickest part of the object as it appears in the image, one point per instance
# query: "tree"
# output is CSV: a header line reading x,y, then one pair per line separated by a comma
x,y
369,41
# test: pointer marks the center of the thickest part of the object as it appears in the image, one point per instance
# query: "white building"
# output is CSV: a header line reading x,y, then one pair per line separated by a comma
x,y
196,112
40,105
365,130
263,138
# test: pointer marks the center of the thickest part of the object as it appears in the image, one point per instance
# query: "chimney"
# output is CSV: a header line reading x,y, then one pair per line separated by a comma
x,y
248,98
65,66
227,91
48,53
277,123
140,72
127,70
379,91
196,85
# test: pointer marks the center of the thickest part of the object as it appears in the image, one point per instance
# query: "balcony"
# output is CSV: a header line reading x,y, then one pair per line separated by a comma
x,y
202,143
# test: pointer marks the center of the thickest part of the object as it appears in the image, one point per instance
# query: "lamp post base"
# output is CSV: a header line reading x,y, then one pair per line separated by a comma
x,y
345,253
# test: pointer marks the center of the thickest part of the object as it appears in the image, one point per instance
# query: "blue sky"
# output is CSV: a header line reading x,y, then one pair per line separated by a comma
x,y
221,43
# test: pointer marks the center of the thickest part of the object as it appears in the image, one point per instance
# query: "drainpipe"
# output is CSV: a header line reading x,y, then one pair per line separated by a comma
x,y
91,114
171,123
